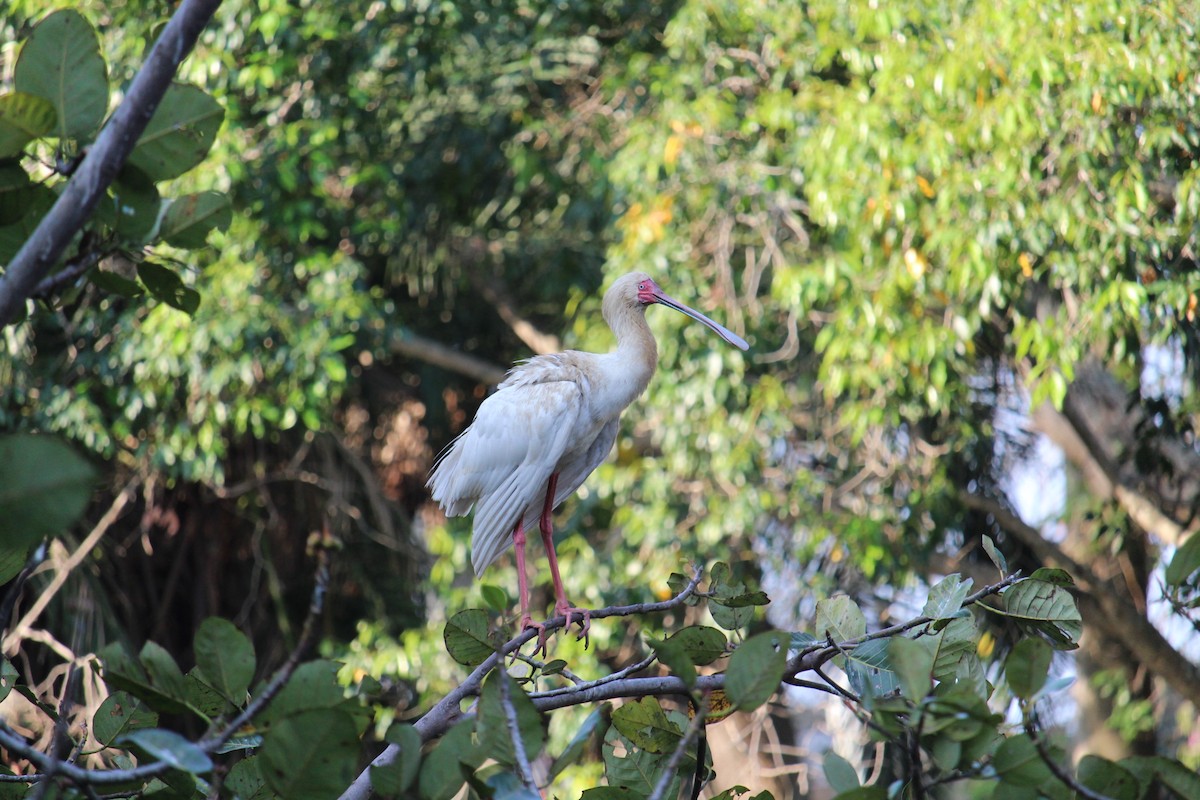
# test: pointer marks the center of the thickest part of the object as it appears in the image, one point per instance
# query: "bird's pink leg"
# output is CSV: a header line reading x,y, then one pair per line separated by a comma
x,y
525,621
561,604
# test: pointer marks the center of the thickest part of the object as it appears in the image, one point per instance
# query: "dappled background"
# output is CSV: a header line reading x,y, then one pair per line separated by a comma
x,y
958,237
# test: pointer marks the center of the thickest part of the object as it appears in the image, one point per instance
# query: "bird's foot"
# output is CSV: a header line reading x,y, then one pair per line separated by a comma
x,y
526,621
581,615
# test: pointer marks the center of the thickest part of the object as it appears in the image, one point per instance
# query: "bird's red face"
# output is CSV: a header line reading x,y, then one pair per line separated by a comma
x,y
648,292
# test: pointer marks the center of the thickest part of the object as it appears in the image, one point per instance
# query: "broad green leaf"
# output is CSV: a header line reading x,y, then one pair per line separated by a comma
x,y
247,782
728,617
995,555
1110,779
644,723
113,283
14,190
870,670
202,697
839,774
672,655
168,747
134,207
1184,563
162,672
314,685
1171,774
38,199
755,670
946,598
1027,667
610,793
951,644
578,744
637,770
120,713
504,784
61,62
8,677
189,219
23,118
839,618
310,756
442,769
467,638
167,287
395,778
492,726
226,656
1017,762
44,487
1059,577
180,133
12,560
495,598
875,792
1046,608
702,643
912,660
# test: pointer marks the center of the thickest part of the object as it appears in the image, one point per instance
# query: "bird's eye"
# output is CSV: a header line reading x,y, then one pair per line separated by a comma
x,y
642,287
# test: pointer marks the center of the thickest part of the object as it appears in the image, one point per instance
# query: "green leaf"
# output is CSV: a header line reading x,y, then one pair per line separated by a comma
x,y
1059,577
12,560
310,756
870,670
839,774
839,618
1027,667
167,287
1017,762
61,62
951,644
1170,773
14,190
755,670
170,748
637,770
578,744
946,598
442,770
8,677
1184,563
467,637
44,487
226,656
492,727
113,283
1108,778
162,673
37,200
702,644
201,697
995,555
121,713
246,781
134,206
23,118
913,661
644,723
190,218
1045,608
611,793
395,778
180,133
672,655
494,598
313,685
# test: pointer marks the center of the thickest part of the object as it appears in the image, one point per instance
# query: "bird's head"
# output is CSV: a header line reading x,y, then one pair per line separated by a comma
x,y
638,290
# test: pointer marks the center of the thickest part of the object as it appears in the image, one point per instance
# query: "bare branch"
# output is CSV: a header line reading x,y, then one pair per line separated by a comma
x,y
524,770
104,158
414,346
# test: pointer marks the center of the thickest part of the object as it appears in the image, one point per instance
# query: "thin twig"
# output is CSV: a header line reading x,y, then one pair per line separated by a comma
x,y
1067,778
671,770
524,770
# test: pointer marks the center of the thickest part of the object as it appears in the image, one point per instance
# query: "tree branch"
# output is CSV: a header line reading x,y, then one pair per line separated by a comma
x,y
104,158
414,346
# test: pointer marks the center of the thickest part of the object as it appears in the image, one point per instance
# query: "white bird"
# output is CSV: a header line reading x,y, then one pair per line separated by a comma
x,y
549,424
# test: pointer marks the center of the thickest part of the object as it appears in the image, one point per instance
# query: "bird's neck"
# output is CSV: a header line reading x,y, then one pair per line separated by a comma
x,y
636,348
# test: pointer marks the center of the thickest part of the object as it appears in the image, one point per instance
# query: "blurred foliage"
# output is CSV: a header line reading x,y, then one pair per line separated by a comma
x,y
913,212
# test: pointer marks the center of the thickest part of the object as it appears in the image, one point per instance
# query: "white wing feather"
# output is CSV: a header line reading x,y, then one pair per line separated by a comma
x,y
503,461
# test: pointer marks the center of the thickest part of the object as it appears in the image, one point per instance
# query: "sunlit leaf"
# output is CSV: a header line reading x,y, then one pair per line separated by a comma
x,y
61,62
180,133
755,670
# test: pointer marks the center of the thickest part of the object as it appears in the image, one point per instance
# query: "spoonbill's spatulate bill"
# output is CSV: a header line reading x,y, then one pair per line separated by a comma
x,y
548,425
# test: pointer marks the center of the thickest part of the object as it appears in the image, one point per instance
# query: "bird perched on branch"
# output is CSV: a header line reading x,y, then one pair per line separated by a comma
x,y
549,424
